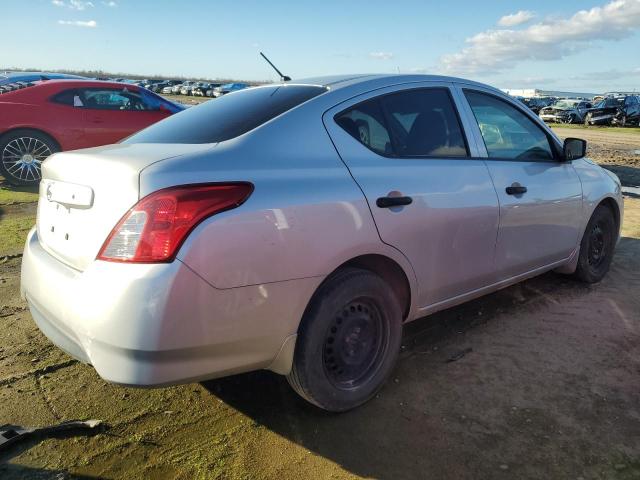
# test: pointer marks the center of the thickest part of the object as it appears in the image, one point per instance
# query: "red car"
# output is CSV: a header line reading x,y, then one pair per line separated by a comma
x,y
45,117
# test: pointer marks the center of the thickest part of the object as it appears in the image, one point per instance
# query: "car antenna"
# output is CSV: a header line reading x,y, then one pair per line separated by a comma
x,y
284,78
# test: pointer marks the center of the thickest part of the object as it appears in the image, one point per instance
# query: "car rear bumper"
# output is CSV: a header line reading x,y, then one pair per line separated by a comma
x,y
160,324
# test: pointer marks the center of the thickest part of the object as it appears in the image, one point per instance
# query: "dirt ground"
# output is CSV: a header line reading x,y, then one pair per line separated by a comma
x,y
548,388
616,149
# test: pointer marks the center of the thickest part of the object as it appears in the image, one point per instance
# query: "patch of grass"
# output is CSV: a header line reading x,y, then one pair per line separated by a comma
x,y
11,195
13,231
594,128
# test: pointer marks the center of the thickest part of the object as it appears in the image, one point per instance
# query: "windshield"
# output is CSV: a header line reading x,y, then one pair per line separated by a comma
x,y
564,104
610,102
227,117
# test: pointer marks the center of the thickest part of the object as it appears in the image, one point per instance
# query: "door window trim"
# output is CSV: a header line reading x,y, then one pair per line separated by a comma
x,y
377,99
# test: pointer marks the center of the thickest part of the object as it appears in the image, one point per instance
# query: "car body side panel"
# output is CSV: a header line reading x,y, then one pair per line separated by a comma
x,y
541,226
597,185
449,231
306,212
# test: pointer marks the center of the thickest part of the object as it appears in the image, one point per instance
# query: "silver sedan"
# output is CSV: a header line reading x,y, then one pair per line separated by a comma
x,y
297,227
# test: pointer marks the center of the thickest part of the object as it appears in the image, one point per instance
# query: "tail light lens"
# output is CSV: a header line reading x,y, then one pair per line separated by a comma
x,y
153,230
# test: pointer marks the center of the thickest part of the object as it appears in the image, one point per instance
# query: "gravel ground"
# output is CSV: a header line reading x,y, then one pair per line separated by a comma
x,y
546,384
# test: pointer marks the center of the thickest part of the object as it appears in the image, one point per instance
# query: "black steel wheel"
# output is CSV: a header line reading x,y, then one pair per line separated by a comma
x,y
354,344
348,341
597,245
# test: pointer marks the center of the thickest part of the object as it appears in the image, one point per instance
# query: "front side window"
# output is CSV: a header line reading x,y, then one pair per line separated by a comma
x,y
412,123
112,99
507,132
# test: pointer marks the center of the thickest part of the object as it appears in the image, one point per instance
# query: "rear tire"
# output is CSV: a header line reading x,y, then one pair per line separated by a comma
x,y
596,247
348,341
21,155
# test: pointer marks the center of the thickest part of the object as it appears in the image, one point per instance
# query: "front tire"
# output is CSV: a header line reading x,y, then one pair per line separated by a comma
x,y
597,245
348,341
21,155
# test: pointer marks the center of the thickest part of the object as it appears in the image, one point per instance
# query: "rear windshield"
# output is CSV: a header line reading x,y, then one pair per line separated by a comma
x,y
228,116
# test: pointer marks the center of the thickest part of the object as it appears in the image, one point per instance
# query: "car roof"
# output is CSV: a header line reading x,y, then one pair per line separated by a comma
x,y
86,83
335,82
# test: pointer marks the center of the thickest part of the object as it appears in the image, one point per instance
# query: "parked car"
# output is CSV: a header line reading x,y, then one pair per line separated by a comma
x,y
161,86
228,88
297,227
535,104
27,77
185,87
566,111
620,110
176,88
200,89
210,91
47,117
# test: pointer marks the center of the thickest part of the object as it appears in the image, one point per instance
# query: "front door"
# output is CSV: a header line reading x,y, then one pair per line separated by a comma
x,y
540,195
407,150
113,114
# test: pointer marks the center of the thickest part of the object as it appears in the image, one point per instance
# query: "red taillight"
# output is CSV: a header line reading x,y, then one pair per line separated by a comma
x,y
156,226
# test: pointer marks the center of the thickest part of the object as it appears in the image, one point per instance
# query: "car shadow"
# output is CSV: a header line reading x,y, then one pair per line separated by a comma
x,y
28,189
395,436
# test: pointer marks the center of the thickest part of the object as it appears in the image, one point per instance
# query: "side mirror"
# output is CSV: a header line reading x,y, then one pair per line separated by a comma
x,y
574,148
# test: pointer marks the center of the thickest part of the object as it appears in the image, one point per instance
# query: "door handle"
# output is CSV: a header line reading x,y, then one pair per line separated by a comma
x,y
516,189
387,202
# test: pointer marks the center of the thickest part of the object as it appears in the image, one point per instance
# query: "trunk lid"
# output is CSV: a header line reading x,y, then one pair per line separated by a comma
x,y
83,194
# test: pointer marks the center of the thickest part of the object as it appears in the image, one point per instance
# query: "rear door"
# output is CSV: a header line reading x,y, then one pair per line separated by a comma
x,y
540,196
406,148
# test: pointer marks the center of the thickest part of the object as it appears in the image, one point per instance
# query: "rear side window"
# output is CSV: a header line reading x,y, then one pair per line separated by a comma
x,y
65,97
413,123
365,122
424,123
227,117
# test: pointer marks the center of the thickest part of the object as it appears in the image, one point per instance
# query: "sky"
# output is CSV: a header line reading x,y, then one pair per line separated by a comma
x,y
574,45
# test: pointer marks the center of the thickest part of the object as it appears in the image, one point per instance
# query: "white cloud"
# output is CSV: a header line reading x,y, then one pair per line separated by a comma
x,y
110,4
518,18
79,5
79,23
496,50
381,55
